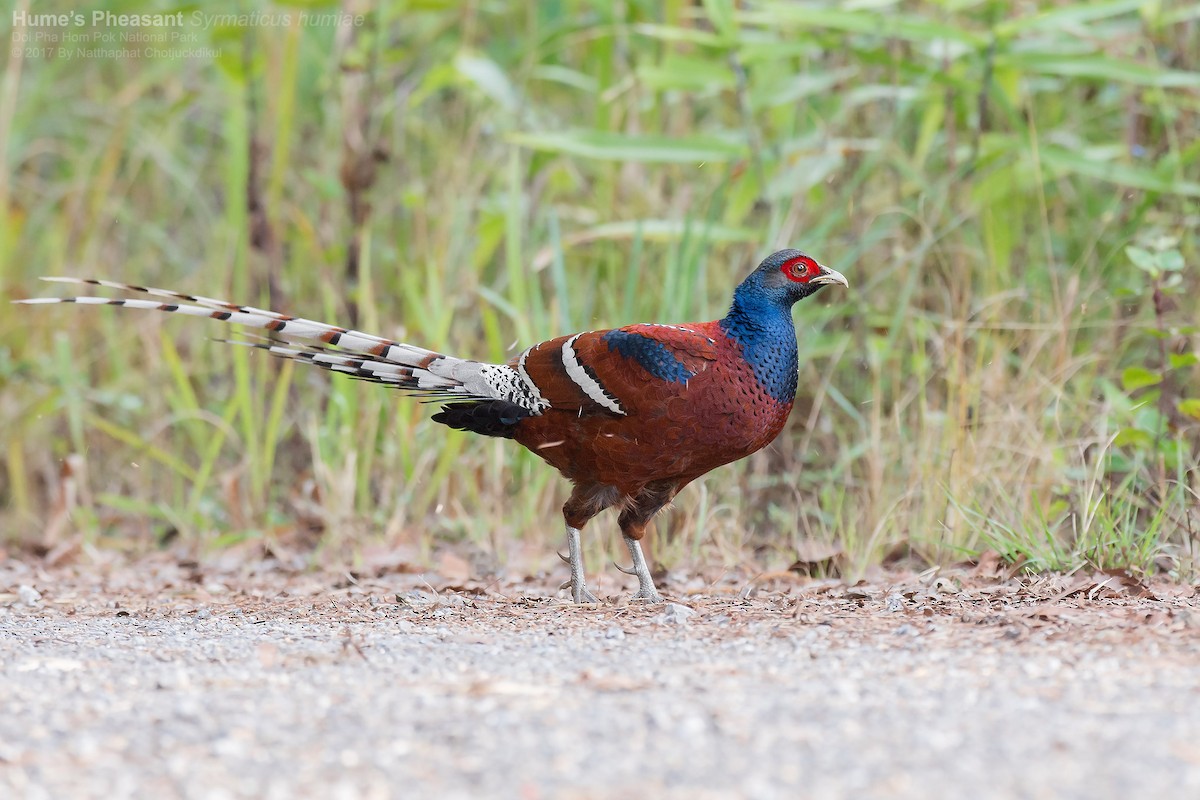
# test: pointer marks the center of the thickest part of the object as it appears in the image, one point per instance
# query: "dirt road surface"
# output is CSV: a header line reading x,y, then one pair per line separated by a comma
x,y
164,681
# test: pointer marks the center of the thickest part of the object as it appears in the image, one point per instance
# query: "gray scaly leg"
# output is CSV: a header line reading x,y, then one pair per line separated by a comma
x,y
579,591
646,590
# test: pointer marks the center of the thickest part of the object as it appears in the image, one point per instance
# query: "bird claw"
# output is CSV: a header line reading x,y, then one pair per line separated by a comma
x,y
565,560
647,595
646,589
582,594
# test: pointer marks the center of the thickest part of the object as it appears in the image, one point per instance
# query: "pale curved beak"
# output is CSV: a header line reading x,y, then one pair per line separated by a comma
x,y
830,276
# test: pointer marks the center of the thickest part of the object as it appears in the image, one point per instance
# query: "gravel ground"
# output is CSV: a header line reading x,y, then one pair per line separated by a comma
x,y
110,689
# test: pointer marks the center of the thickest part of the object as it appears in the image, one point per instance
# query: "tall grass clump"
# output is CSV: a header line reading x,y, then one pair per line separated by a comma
x,y
1013,193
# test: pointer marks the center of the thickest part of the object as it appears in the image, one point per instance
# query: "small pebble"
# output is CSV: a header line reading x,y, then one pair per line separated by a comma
x,y
29,596
675,614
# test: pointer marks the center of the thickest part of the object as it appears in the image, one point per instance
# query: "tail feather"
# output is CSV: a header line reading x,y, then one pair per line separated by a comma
x,y
358,354
297,327
386,372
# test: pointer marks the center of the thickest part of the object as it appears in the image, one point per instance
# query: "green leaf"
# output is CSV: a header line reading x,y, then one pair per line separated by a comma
x,y
1134,378
671,33
1132,437
1143,259
688,73
1177,360
1157,262
650,230
488,77
804,173
1075,15
884,24
1101,68
565,76
1147,417
1171,261
781,90
1130,175
720,14
609,146
1184,13
1190,406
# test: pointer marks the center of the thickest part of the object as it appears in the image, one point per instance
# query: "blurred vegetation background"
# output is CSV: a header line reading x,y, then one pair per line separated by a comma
x,y
1012,190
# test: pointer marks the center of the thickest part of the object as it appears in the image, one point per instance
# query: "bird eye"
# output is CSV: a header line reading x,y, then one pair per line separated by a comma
x,y
800,269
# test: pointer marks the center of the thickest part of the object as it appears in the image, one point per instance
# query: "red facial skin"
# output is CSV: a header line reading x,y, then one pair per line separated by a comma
x,y
801,270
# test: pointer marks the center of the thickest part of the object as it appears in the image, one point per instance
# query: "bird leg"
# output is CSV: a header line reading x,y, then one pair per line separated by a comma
x,y
579,591
634,520
641,569
586,501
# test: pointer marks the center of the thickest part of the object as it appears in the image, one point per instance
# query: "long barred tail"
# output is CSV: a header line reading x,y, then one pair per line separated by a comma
x,y
360,355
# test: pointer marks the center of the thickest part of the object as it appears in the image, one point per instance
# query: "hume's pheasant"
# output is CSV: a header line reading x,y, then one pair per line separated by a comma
x,y
629,415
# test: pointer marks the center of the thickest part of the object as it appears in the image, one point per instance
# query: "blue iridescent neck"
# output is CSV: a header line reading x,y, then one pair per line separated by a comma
x,y
762,324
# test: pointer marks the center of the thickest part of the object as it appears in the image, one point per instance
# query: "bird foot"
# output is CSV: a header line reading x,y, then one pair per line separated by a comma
x,y
580,593
645,595
578,586
646,590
